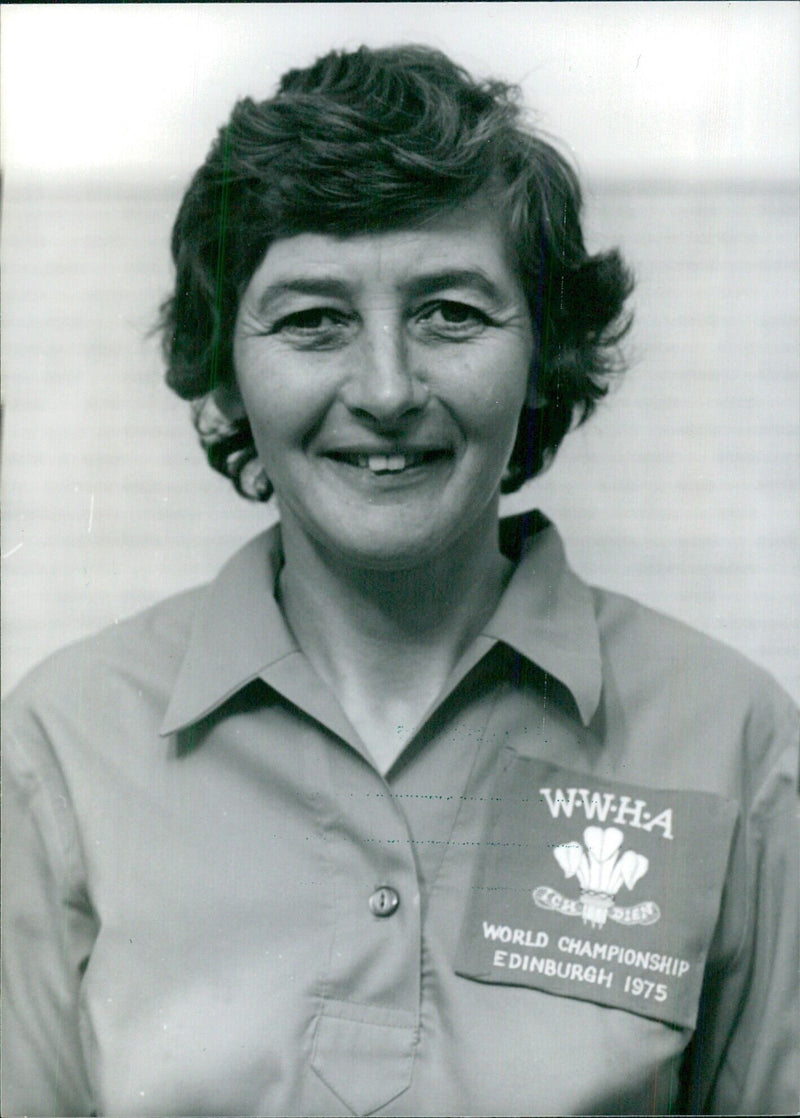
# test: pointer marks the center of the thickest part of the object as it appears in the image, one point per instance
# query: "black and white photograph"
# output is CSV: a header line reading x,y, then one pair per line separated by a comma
x,y
400,558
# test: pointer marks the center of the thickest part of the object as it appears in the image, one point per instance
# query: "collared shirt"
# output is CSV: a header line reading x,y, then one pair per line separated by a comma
x,y
574,892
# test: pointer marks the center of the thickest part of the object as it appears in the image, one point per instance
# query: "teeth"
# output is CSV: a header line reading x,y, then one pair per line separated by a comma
x,y
386,463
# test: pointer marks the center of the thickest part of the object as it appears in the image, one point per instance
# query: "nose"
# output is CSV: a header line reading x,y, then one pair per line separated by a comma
x,y
383,383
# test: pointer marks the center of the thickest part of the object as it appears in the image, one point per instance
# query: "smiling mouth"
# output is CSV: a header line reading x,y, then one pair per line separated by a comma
x,y
389,463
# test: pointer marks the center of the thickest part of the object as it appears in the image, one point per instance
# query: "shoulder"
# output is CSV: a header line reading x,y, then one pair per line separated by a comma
x,y
657,645
101,690
674,681
137,648
82,727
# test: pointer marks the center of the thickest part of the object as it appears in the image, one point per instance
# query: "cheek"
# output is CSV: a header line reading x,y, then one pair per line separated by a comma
x,y
498,391
283,402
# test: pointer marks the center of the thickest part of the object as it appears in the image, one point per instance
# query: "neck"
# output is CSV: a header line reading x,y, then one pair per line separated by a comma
x,y
427,603
385,641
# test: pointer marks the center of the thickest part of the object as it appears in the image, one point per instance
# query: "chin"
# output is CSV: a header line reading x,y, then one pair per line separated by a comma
x,y
390,534
386,552
401,557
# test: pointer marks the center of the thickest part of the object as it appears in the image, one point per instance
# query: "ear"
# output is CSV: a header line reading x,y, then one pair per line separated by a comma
x,y
534,399
229,401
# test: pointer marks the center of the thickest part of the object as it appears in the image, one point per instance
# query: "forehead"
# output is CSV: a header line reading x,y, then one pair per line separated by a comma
x,y
468,237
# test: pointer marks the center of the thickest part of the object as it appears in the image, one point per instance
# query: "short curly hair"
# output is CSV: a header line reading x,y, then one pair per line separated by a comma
x,y
376,140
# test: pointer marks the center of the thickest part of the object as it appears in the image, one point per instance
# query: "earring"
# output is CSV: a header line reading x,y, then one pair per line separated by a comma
x,y
253,482
212,424
228,443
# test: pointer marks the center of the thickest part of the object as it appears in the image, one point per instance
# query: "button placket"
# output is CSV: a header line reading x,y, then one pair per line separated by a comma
x,y
371,989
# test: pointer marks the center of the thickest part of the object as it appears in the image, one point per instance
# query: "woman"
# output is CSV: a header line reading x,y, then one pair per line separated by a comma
x,y
397,815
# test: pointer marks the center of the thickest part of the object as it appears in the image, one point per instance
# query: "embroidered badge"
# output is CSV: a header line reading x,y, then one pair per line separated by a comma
x,y
601,873
597,890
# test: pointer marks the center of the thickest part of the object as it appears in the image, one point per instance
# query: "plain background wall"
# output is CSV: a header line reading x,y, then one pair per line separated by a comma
x,y
660,89
683,121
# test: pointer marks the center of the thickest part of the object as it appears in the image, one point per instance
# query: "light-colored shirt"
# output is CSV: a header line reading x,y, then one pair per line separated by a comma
x,y
575,891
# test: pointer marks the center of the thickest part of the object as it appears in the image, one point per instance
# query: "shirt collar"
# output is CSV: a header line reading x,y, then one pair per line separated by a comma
x,y
546,614
237,633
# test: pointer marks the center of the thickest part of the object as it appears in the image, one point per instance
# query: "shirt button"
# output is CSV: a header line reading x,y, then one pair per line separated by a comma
x,y
384,901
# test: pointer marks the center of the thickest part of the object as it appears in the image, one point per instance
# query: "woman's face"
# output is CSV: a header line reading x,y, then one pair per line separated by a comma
x,y
383,376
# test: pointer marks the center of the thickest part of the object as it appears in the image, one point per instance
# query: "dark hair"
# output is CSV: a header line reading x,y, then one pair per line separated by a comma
x,y
374,140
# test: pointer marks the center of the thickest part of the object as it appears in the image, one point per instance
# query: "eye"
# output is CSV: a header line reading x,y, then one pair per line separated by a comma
x,y
309,320
313,326
450,318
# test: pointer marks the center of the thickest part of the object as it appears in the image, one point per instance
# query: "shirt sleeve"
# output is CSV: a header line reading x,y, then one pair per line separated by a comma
x,y
48,931
745,1057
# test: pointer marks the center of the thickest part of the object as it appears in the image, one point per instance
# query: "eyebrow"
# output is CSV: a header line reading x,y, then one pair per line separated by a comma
x,y
326,288
475,278
418,286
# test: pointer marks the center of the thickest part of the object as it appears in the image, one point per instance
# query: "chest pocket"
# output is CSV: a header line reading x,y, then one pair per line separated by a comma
x,y
597,890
